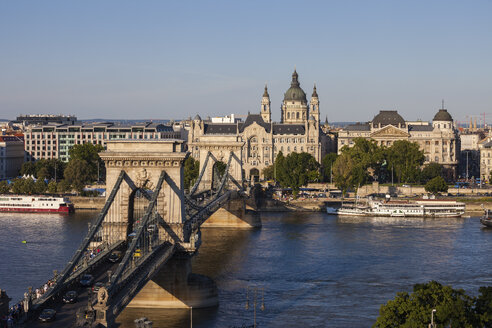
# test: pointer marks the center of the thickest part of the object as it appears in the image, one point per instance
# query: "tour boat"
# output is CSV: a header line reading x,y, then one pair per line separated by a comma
x,y
418,208
48,204
486,220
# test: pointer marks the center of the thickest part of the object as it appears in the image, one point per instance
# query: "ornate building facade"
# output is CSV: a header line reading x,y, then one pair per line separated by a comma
x,y
439,140
259,138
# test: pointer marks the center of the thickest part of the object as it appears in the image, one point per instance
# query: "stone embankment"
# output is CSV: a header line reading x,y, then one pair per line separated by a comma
x,y
474,205
88,203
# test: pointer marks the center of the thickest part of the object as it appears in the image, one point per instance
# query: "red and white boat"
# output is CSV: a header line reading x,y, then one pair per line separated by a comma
x,y
46,204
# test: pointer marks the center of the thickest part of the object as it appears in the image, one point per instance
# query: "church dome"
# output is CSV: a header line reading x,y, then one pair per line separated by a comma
x,y
443,115
295,93
387,117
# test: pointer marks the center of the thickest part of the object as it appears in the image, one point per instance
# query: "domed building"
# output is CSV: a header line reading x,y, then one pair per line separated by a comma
x,y
258,140
439,140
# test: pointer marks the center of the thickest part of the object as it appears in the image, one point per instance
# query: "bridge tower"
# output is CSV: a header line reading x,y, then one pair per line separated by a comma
x,y
143,163
213,151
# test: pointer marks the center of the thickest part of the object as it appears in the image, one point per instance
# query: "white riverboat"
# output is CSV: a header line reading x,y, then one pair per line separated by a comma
x,y
23,203
418,208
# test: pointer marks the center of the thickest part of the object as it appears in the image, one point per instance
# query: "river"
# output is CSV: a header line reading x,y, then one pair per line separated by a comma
x,y
316,270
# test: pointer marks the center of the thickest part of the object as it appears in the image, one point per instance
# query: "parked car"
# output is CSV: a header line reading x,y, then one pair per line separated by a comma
x,y
70,297
97,286
114,257
47,315
86,280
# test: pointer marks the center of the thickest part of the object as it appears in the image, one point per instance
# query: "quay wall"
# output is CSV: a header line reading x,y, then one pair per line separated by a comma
x,y
88,203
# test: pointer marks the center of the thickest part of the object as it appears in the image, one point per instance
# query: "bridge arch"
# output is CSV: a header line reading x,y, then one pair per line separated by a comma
x,y
210,152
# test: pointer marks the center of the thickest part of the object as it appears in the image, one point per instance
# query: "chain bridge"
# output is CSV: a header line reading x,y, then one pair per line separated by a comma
x,y
150,220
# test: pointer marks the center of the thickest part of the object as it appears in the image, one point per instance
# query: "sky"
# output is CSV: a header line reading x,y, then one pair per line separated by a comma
x,y
117,59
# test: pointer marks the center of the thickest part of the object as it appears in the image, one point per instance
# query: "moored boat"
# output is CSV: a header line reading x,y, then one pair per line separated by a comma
x,y
418,208
486,219
35,204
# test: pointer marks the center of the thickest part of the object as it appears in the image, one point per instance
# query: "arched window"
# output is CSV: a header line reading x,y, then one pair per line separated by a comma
x,y
288,115
297,114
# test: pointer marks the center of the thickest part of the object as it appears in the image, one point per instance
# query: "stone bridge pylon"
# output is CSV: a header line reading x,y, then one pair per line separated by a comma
x,y
143,163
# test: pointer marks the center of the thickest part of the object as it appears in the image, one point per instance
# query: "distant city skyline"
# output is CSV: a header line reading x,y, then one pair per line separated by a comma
x,y
170,60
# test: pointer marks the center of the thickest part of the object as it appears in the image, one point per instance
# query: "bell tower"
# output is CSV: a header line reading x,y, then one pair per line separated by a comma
x,y
314,105
266,113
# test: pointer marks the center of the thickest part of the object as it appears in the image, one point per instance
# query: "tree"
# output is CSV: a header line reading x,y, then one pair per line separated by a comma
x,y
191,171
28,168
220,167
39,186
78,174
483,306
89,153
43,173
431,171
296,170
4,187
63,186
269,172
436,185
453,308
405,158
327,165
29,186
342,172
17,186
52,186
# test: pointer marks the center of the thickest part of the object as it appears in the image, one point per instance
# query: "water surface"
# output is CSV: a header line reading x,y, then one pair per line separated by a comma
x,y
316,270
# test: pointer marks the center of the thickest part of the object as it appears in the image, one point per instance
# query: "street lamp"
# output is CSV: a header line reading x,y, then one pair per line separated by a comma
x,y
432,324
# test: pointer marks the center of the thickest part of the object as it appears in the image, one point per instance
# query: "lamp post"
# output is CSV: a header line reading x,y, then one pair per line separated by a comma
x,y
255,292
432,324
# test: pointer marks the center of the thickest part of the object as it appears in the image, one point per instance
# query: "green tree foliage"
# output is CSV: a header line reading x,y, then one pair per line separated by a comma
x,y
483,306
296,170
342,172
28,168
453,308
269,172
89,153
43,173
405,158
52,187
63,186
44,169
29,186
23,186
327,165
191,171
78,174
436,185
220,167
366,161
39,186
4,187
16,186
431,171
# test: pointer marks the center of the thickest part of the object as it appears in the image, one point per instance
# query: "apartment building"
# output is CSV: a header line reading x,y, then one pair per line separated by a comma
x,y
53,141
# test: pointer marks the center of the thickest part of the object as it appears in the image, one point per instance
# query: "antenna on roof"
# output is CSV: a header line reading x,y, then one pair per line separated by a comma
x,y
442,104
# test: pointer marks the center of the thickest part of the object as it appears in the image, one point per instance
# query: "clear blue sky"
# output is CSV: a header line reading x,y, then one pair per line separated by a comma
x,y
172,59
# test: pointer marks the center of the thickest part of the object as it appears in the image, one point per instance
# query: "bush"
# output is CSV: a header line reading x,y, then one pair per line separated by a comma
x,y
436,185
